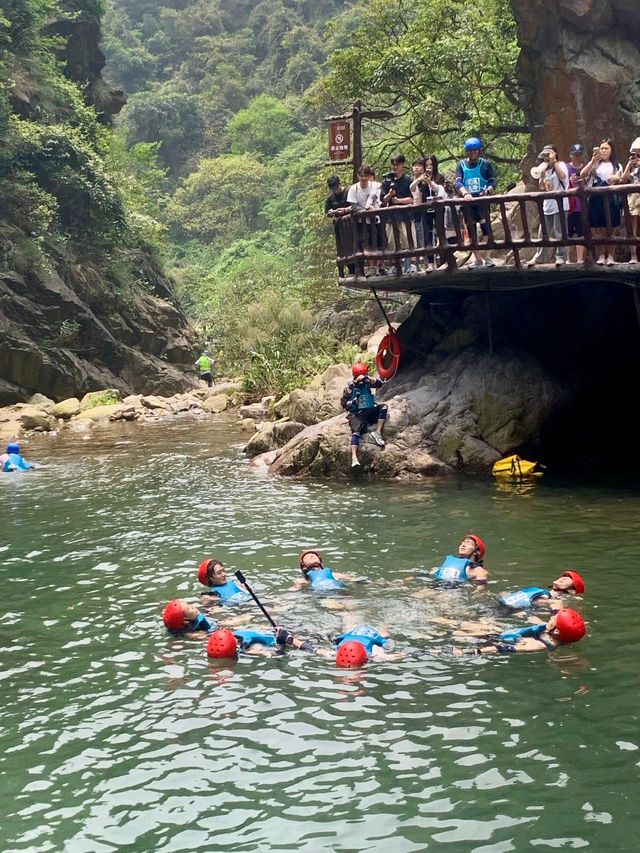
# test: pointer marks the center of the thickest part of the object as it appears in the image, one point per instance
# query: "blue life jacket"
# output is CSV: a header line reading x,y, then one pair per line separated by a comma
x,y
229,593
362,395
19,461
523,598
323,579
200,623
246,638
453,570
472,178
364,634
536,631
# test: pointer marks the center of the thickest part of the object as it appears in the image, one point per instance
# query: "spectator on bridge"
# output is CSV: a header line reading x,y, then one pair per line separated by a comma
x,y
574,218
396,190
554,178
363,196
426,186
631,175
603,169
336,203
474,178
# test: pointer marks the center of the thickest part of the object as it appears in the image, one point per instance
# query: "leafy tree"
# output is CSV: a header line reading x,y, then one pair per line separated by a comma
x,y
220,201
265,127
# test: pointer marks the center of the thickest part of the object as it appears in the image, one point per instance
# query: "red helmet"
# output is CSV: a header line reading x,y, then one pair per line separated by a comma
x,y
222,644
351,654
173,615
479,544
578,583
359,369
309,551
203,572
569,626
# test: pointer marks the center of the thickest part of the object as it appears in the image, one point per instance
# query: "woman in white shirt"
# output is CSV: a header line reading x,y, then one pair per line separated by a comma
x,y
603,170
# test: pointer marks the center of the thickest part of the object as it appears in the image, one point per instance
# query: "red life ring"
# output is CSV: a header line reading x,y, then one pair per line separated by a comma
x,y
388,355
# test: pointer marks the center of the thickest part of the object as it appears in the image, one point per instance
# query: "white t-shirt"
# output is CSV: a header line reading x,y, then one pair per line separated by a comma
x,y
359,197
549,206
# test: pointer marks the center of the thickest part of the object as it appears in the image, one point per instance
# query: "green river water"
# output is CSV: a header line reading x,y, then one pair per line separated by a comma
x,y
115,736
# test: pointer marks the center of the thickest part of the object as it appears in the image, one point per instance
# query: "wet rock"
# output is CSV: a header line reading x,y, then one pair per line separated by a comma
x,y
36,419
247,424
255,411
66,409
270,436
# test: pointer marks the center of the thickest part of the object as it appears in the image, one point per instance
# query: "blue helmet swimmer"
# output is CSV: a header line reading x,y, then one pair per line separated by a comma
x,y
13,448
473,144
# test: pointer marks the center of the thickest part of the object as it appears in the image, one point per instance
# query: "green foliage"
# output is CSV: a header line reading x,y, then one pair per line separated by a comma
x,y
265,127
446,68
221,201
282,349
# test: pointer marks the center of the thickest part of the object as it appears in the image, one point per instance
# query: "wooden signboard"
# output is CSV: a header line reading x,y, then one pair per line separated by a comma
x,y
339,141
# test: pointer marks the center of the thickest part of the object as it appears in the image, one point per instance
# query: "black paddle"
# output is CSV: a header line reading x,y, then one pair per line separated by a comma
x,y
244,583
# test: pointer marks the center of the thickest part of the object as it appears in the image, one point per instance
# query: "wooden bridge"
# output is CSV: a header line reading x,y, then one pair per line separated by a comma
x,y
368,241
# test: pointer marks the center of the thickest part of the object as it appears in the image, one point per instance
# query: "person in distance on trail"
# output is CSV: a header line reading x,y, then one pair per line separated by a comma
x,y
569,583
212,573
554,178
363,411
565,626
474,178
13,461
467,566
205,367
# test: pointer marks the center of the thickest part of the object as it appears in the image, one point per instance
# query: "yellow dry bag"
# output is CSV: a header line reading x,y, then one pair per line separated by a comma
x,y
514,466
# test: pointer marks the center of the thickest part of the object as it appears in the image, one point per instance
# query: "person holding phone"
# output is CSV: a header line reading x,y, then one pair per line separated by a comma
x,y
603,169
554,178
631,175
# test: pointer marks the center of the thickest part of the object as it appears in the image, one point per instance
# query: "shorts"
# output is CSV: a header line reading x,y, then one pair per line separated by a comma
x,y
634,203
362,420
474,214
574,224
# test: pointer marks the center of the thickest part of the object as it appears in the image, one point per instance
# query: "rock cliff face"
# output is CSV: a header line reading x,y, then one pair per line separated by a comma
x,y
578,67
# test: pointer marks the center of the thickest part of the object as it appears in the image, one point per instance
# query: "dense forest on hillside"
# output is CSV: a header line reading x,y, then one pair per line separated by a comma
x,y
215,167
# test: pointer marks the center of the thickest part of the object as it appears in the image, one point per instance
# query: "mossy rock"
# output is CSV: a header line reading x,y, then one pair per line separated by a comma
x,y
106,397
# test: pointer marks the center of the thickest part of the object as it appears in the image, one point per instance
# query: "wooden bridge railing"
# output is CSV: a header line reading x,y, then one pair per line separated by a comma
x,y
387,235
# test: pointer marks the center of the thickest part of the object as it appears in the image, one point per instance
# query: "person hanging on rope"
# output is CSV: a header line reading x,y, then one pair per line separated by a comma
x,y
363,411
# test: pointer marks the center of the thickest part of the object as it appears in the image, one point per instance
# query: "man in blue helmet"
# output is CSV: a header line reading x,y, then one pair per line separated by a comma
x,y
474,178
13,461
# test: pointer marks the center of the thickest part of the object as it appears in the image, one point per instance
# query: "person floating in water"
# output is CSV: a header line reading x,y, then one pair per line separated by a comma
x,y
225,643
553,597
467,566
363,411
205,366
13,461
184,619
565,626
318,576
212,573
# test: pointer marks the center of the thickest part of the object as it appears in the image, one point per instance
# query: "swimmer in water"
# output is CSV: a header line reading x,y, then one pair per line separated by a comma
x,y
13,461
569,583
565,626
184,619
467,566
211,573
318,577
225,643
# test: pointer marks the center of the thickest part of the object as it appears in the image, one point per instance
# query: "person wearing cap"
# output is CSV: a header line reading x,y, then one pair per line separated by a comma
x,y
363,411
565,626
631,175
553,597
574,217
12,460
475,178
554,177
205,367
212,573
467,566
336,203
